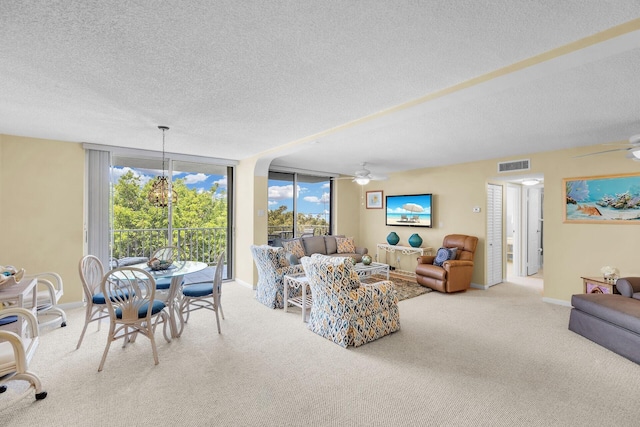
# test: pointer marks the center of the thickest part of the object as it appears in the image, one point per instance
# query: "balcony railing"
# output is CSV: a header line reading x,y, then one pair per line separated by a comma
x,y
200,244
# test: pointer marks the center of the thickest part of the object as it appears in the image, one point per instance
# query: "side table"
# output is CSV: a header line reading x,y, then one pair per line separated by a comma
x,y
304,300
598,285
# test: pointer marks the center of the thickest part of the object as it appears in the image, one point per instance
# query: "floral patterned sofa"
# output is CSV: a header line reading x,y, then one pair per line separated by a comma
x,y
273,265
345,311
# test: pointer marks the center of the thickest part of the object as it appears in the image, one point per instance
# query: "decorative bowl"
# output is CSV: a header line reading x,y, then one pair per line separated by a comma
x,y
11,277
159,264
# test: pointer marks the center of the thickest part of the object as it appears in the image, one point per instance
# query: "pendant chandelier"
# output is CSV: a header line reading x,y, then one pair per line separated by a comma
x,y
161,194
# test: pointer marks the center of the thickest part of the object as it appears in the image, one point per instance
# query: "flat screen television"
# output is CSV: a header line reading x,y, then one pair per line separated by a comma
x,y
413,210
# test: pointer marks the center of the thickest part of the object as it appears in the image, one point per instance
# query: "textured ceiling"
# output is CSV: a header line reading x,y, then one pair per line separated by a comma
x,y
397,84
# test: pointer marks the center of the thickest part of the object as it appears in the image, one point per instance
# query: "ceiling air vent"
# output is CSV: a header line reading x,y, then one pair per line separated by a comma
x,y
516,165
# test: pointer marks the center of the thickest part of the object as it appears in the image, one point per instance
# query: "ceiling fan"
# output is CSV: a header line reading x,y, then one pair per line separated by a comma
x,y
364,175
633,149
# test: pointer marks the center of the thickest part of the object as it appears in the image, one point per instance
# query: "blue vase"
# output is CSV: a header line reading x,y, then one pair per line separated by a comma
x,y
415,241
393,238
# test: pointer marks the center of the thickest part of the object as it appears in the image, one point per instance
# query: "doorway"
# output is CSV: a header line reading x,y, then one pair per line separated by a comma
x,y
524,228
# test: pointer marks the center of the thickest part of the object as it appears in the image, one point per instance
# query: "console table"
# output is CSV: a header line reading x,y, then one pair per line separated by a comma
x,y
402,250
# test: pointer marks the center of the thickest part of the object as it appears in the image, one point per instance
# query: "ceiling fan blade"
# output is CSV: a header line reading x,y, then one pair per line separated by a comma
x,y
378,177
601,152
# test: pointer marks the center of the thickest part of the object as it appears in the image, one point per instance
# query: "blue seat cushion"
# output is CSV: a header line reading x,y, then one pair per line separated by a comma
x,y
8,319
164,283
198,290
99,297
142,311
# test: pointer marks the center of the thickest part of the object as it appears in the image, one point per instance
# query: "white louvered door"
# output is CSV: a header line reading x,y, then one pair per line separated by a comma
x,y
494,234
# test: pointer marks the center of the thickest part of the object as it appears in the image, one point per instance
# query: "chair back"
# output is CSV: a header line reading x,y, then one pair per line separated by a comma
x,y
171,253
91,273
268,258
128,292
466,245
217,279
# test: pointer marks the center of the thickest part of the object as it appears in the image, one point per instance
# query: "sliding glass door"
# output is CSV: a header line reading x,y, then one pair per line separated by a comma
x,y
199,220
303,211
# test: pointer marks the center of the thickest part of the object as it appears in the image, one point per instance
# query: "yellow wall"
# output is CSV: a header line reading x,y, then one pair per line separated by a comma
x,y
41,204
41,214
570,250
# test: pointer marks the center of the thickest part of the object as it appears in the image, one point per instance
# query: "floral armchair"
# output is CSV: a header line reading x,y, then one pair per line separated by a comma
x,y
273,265
345,311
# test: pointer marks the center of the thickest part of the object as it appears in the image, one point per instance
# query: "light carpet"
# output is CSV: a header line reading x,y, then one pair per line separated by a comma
x,y
496,357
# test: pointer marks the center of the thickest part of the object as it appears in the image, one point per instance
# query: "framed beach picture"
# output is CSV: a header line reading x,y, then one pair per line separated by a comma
x,y
610,199
374,199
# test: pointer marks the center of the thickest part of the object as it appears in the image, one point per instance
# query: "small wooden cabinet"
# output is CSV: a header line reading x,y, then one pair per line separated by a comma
x,y
598,285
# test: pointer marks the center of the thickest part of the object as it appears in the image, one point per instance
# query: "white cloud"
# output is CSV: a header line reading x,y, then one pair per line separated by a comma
x,y
326,185
222,182
272,202
117,172
280,192
314,199
195,178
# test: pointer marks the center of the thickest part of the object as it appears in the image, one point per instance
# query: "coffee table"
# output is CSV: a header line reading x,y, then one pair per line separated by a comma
x,y
373,268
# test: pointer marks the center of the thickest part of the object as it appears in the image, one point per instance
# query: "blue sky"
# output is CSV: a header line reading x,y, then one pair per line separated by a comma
x,y
313,198
199,181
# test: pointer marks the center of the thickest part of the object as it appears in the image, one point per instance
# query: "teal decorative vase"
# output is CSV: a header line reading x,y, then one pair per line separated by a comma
x,y
415,241
393,238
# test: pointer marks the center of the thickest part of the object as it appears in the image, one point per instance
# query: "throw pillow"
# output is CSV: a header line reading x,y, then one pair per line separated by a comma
x,y
444,254
345,245
294,247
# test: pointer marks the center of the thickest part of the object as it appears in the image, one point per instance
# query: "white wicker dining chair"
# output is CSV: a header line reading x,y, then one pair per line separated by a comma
x,y
16,351
206,295
91,273
133,309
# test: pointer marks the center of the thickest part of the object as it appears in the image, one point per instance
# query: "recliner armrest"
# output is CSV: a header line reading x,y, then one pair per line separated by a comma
x,y
426,259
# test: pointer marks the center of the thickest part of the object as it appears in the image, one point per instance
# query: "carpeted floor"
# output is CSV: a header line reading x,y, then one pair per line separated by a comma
x,y
406,287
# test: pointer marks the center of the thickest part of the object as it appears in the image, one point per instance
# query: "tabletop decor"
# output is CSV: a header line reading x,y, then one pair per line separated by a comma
x,y
393,238
366,259
609,273
10,275
415,240
159,264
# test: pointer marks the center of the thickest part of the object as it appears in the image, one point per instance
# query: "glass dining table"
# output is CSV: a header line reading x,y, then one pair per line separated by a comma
x,y
171,296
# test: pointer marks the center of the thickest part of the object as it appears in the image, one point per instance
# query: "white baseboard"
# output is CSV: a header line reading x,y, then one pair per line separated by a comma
x,y
245,284
557,302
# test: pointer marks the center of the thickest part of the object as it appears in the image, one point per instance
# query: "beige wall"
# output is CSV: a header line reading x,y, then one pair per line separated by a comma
x,y
570,250
41,199
41,214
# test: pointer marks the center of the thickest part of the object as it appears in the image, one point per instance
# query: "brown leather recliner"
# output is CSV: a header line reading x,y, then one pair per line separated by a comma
x,y
454,275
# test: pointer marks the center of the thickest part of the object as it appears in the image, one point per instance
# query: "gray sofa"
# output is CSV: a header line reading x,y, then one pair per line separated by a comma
x,y
325,245
611,320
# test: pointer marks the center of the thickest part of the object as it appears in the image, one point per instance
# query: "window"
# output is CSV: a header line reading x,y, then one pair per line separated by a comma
x,y
305,211
199,222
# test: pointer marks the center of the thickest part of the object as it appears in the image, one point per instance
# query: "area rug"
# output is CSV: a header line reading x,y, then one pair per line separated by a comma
x,y
405,287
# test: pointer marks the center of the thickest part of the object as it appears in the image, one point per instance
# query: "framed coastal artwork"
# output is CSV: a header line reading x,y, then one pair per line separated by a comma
x,y
374,199
610,199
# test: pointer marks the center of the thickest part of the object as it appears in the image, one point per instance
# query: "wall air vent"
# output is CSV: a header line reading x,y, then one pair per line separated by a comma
x,y
515,165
